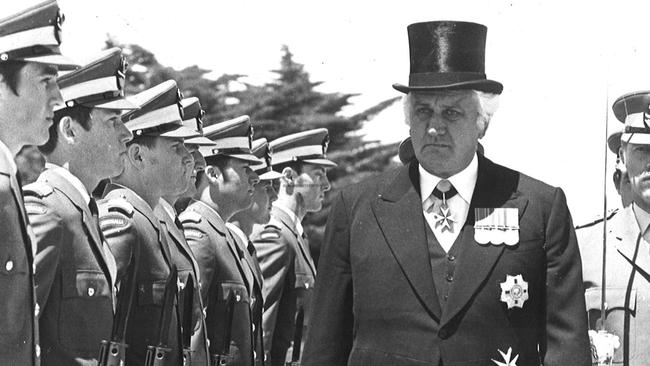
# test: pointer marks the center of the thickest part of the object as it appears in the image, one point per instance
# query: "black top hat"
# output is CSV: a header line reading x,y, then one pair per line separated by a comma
x,y
448,55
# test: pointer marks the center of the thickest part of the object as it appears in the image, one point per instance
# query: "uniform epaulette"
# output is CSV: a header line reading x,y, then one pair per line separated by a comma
x,y
600,219
112,221
119,205
190,216
270,232
37,189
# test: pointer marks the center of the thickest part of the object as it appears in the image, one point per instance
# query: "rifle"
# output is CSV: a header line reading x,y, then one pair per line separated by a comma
x,y
113,353
186,300
297,338
157,355
222,357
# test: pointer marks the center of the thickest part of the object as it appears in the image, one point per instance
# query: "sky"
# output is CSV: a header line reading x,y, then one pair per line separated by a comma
x,y
562,64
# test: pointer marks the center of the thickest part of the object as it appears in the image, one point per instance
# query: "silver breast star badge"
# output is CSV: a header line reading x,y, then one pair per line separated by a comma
x,y
444,219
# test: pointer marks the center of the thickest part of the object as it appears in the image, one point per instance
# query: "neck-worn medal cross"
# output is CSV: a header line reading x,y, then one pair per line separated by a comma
x,y
444,217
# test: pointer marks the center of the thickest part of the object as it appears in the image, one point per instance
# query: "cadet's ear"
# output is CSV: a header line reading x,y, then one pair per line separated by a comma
x,y
66,130
213,173
134,156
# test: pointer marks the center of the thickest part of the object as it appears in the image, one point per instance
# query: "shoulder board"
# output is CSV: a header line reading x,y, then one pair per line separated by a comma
x,y
274,223
610,214
112,221
119,205
193,234
270,232
190,216
37,189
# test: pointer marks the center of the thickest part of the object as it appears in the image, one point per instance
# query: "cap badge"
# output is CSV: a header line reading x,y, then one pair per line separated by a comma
x,y
496,225
507,361
514,291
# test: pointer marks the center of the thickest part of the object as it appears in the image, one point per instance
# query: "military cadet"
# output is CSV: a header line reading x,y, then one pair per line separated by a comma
x,y
74,269
226,283
282,248
181,254
154,165
29,61
626,327
241,226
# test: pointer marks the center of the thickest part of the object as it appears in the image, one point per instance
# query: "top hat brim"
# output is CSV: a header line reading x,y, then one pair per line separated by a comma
x,y
61,62
321,162
484,85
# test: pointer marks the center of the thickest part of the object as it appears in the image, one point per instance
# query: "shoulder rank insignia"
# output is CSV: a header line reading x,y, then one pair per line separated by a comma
x,y
119,205
270,232
112,221
193,234
38,189
190,216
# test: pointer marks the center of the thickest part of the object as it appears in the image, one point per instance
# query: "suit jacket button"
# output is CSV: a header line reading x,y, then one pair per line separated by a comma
x,y
9,265
91,291
450,278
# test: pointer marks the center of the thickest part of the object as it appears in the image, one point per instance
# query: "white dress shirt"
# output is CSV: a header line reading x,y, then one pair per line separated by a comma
x,y
464,182
4,150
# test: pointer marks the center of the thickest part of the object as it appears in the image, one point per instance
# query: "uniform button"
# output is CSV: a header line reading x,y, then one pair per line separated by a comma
x,y
91,291
9,265
450,278
37,309
307,285
38,351
253,327
451,258
238,298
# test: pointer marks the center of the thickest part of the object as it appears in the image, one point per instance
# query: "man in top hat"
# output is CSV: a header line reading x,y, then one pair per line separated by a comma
x,y
241,226
29,61
450,259
180,251
627,261
282,247
154,166
74,268
227,285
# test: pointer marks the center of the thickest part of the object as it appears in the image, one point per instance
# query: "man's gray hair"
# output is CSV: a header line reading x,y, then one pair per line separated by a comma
x,y
487,102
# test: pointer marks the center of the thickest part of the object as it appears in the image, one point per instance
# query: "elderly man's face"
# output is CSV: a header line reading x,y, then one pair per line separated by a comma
x,y
637,162
444,129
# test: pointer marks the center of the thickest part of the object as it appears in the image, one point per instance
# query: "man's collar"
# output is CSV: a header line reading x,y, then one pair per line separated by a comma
x,y
74,181
294,218
642,217
235,229
171,211
464,181
4,149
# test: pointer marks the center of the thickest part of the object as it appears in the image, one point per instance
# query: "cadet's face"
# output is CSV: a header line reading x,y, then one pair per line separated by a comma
x,y
199,165
637,162
172,166
263,197
104,144
444,130
32,108
236,182
312,185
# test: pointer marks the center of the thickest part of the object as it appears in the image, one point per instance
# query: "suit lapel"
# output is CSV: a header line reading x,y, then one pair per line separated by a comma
x,y
90,226
398,211
627,231
302,246
495,187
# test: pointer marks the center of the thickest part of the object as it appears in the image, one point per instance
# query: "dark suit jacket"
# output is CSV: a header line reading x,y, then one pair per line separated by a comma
x,y
222,276
133,233
74,286
376,304
18,324
289,274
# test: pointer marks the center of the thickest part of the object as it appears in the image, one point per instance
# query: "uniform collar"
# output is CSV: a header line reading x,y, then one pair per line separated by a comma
x,y
464,181
642,218
74,181
168,208
291,215
10,157
235,229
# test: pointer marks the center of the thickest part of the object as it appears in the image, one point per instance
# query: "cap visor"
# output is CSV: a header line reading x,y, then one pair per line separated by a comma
x,y
246,157
488,86
636,138
270,175
323,162
200,141
180,132
61,61
119,104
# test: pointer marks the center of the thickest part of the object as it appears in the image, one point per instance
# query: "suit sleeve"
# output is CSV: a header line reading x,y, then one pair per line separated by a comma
x,y
566,340
329,339
48,232
275,258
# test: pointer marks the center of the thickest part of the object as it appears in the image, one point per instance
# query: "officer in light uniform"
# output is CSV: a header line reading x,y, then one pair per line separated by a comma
x,y
29,61
74,269
227,284
626,330
155,162
179,250
241,227
282,247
